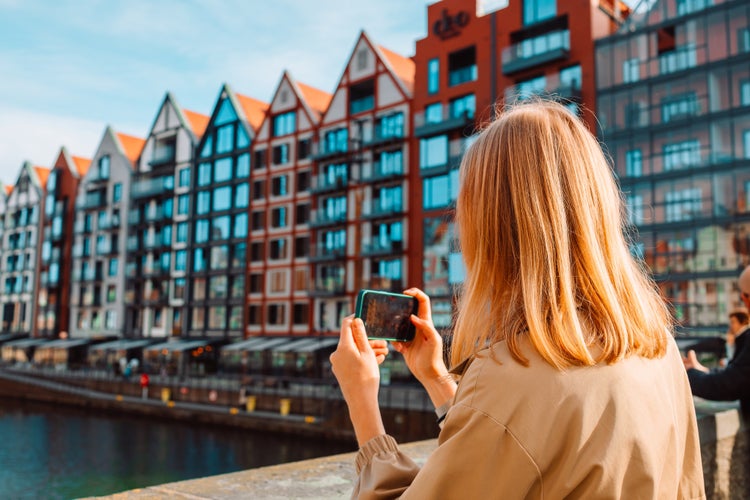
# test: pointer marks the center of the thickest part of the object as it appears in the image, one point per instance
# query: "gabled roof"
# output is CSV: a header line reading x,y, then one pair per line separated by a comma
x,y
131,146
198,122
42,173
402,67
82,165
317,99
8,189
255,110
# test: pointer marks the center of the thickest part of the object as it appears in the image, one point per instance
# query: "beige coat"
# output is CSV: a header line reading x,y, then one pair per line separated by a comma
x,y
626,430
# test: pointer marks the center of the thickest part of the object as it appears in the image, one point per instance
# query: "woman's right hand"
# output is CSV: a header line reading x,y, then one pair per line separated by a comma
x,y
424,354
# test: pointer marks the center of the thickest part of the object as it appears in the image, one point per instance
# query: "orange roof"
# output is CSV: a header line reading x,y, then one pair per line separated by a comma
x,y
131,145
8,190
317,99
42,173
82,165
402,66
198,122
255,110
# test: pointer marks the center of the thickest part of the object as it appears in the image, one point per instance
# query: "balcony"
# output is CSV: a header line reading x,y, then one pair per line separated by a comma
x,y
80,227
322,253
445,121
92,274
384,135
531,52
92,199
320,218
678,60
132,244
380,172
384,283
327,287
105,248
378,247
550,87
323,183
156,214
378,208
152,187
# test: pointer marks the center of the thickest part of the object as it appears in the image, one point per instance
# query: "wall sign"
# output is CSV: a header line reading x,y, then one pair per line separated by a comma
x,y
450,25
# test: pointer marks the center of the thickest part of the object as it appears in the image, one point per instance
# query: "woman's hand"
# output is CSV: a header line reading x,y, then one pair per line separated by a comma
x,y
355,365
424,354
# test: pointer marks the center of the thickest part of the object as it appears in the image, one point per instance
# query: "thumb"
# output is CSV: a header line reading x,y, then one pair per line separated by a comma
x,y
360,335
691,356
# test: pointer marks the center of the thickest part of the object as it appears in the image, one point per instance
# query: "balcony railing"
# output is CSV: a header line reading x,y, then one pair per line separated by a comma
x,y
92,200
327,287
532,52
324,183
444,121
382,135
378,208
378,247
553,88
152,187
381,172
321,217
322,253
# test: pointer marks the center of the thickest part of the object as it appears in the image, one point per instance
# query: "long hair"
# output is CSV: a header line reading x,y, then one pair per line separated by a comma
x,y
540,222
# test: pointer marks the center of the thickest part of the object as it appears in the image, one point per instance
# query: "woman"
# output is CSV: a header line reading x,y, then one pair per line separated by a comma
x,y
570,382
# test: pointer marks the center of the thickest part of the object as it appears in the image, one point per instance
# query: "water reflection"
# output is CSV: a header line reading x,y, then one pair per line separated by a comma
x,y
59,452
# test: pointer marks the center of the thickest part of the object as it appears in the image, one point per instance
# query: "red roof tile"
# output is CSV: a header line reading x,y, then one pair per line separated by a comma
x,y
42,173
131,145
8,190
402,66
198,122
255,110
317,99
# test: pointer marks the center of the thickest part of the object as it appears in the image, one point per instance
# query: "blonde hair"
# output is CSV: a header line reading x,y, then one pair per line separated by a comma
x,y
540,222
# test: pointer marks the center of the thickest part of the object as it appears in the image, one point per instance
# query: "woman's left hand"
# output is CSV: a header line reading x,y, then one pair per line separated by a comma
x,y
355,365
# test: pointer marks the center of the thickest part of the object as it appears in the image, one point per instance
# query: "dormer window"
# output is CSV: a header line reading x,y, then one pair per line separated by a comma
x,y
362,97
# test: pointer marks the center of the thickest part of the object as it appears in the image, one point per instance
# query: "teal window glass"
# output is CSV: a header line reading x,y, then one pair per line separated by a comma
x,y
243,140
241,195
116,192
184,177
223,170
183,204
180,260
433,151
538,10
222,198
243,165
182,232
284,123
225,139
240,225
433,76
203,202
220,229
112,268
204,174
207,147
463,107
201,231
199,260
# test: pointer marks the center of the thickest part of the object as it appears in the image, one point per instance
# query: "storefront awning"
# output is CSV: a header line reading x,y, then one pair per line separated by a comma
x,y
67,343
246,345
317,345
269,343
178,346
117,345
24,343
294,345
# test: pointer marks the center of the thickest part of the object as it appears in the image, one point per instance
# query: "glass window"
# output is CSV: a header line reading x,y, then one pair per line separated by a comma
x,y
235,318
679,107
183,204
217,317
219,257
225,138
463,107
633,163
113,265
243,140
116,192
182,230
538,10
433,76
238,287
284,123
531,87
204,174
239,255
279,185
184,177
243,165
220,229
276,314
222,198
241,195
278,249
631,70
433,113
180,260
571,77
240,226
440,191
223,170
217,287
203,202
281,154
201,231
199,288
682,154
336,140
745,93
198,321
199,260
278,217
746,142
433,151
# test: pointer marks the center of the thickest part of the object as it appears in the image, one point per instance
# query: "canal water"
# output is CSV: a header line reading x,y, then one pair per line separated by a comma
x,y
62,453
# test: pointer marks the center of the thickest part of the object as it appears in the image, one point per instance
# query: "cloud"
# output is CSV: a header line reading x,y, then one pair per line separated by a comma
x,y
37,137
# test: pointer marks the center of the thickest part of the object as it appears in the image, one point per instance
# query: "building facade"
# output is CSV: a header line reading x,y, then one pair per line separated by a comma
x,y
478,55
361,193
100,230
674,109
217,206
56,226
278,279
21,242
155,290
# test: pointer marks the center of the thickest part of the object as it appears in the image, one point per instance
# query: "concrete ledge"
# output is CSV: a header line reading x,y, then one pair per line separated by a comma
x,y
321,478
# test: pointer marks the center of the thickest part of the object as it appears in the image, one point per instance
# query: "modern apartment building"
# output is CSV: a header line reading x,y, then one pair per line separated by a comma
x,y
155,289
278,278
674,109
215,257
53,298
362,196
21,243
477,55
100,230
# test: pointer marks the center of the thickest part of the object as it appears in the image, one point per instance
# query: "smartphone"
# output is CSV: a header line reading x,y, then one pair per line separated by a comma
x,y
386,315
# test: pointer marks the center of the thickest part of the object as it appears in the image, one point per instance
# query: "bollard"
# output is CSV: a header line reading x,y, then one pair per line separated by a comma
x,y
250,404
284,406
165,394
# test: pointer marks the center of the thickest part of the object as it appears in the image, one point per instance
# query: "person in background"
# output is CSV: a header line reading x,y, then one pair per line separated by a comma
x,y
733,381
739,322
570,382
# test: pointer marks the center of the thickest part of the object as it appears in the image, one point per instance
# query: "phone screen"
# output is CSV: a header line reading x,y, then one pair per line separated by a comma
x,y
386,315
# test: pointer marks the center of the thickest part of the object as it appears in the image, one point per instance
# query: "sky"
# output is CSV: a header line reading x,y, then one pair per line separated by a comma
x,y
69,68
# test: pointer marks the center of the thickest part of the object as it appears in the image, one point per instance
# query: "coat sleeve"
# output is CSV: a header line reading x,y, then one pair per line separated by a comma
x,y
475,455
723,385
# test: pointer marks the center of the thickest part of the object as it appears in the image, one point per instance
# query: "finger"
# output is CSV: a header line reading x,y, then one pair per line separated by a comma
x,y
379,358
398,346
360,336
691,356
345,336
424,326
425,310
